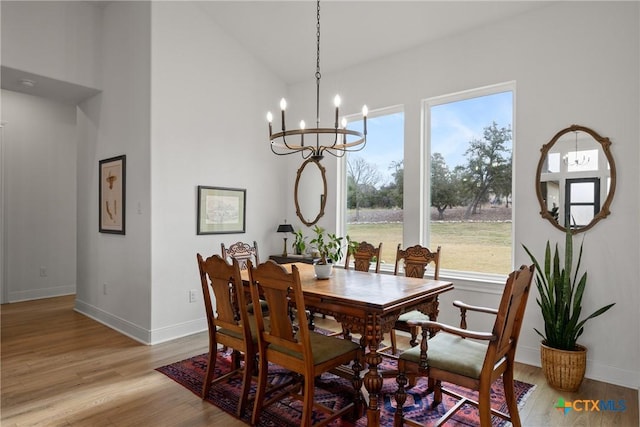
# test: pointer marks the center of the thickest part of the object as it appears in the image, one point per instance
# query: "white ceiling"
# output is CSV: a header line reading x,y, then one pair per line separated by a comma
x,y
282,34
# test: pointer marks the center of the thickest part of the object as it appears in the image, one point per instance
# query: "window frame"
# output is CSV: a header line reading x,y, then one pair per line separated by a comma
x,y
425,217
341,181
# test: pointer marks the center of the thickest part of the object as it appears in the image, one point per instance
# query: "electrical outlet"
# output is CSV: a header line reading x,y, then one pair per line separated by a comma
x,y
43,271
104,288
192,295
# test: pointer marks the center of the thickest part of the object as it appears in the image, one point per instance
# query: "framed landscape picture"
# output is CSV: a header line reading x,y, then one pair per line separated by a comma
x,y
111,188
221,210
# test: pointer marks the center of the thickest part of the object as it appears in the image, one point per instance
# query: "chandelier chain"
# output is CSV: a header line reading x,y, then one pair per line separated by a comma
x,y
318,75
334,138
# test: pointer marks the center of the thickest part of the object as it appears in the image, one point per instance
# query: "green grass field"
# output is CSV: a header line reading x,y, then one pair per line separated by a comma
x,y
468,246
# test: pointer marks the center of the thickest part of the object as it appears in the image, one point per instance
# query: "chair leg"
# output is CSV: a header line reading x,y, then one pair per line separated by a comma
x,y
235,359
401,395
415,330
394,347
437,393
261,390
211,365
484,403
246,385
509,392
307,406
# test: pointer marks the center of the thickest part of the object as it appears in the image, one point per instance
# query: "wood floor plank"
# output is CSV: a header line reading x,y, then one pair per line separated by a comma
x,y
60,368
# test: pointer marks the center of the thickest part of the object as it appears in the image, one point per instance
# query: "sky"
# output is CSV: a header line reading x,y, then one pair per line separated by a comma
x,y
453,125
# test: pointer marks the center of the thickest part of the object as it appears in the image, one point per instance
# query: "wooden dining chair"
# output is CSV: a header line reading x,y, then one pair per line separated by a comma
x,y
294,346
228,322
414,260
364,255
471,359
243,252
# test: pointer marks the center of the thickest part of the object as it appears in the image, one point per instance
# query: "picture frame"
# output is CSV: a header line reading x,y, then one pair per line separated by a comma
x,y
221,210
111,195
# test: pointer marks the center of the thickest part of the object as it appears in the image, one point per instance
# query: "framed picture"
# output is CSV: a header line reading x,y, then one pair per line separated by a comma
x,y
221,210
112,177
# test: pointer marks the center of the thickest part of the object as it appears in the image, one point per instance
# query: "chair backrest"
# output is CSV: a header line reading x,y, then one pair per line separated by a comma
x,y
416,259
230,310
242,252
363,255
281,290
509,318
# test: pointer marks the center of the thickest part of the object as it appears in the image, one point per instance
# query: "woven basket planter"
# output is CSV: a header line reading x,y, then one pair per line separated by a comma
x,y
564,369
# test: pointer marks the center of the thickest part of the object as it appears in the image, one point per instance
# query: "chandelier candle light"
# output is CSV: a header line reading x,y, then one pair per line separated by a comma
x,y
334,140
577,161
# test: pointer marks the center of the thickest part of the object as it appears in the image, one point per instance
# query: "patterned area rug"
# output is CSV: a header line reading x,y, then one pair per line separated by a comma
x,y
333,392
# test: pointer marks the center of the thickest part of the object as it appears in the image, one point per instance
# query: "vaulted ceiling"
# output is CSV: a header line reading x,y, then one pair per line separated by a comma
x,y
282,34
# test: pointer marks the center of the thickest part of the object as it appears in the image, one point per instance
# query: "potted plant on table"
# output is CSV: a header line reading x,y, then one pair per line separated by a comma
x,y
560,300
329,247
299,244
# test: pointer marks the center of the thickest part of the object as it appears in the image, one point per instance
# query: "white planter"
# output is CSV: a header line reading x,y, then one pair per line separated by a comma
x,y
323,271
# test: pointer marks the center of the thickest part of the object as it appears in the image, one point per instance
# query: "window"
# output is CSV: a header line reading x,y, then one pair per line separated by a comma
x,y
469,179
373,184
583,200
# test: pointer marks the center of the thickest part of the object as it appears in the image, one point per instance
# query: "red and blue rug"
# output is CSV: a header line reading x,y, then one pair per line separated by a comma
x,y
334,392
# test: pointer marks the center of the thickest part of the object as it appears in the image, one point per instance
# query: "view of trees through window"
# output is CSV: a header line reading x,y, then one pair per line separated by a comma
x,y
470,186
375,184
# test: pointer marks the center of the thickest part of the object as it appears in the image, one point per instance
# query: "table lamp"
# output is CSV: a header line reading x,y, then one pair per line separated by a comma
x,y
285,228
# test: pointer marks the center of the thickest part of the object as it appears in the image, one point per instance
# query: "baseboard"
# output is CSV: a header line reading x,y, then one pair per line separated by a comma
x,y
142,335
123,326
180,330
33,294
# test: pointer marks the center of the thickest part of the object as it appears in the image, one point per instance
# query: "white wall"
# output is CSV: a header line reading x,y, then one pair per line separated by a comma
x,y
39,160
110,124
572,63
59,40
209,99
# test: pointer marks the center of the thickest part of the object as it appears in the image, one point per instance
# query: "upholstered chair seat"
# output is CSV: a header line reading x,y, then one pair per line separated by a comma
x,y
451,353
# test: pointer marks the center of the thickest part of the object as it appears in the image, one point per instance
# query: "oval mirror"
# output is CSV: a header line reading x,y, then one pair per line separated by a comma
x,y
310,192
576,178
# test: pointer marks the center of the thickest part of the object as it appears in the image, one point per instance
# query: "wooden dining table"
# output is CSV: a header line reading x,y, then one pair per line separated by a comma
x,y
368,304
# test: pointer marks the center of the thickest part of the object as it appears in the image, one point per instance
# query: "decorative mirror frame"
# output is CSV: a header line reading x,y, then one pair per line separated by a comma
x,y
605,143
323,201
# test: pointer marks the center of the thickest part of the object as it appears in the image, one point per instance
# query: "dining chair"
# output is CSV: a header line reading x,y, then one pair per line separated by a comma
x,y
228,322
414,260
364,254
471,359
294,346
242,252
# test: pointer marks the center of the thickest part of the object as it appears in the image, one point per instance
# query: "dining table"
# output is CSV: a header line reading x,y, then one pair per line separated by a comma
x,y
368,304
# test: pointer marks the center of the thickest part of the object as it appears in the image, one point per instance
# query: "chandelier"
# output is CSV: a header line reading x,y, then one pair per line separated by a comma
x,y
577,160
320,140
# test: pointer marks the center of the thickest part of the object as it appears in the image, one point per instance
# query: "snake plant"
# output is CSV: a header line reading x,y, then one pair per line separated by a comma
x,y
560,296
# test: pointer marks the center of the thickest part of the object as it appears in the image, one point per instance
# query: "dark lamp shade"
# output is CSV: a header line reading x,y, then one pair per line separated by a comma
x,y
285,228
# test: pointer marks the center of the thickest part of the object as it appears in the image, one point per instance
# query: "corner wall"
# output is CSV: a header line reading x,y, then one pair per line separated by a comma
x,y
114,271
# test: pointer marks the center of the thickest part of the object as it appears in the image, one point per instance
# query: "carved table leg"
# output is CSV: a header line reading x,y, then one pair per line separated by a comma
x,y
373,379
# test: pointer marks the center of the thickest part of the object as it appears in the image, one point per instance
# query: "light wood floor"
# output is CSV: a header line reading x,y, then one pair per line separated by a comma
x,y
60,368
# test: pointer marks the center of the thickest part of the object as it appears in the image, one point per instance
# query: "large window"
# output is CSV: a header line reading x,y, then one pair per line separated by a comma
x,y
469,149
374,184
